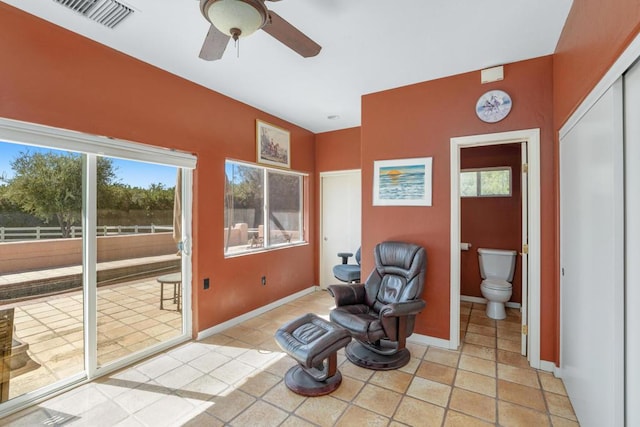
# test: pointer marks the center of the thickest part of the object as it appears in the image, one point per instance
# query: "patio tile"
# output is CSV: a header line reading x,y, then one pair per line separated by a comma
x,y
232,372
360,416
260,414
436,372
284,398
178,377
379,400
416,412
158,366
474,404
323,410
444,357
429,391
209,361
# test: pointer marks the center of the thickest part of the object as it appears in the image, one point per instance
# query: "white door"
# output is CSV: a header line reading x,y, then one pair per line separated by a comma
x,y
524,255
340,220
632,229
591,260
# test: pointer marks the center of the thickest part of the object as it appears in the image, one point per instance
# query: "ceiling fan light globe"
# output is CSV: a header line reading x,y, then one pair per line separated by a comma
x,y
229,15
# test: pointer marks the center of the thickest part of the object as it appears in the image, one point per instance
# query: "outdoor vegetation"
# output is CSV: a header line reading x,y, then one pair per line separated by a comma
x,y
46,189
485,182
246,187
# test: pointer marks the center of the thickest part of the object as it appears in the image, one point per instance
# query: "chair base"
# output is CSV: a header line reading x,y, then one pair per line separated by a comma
x,y
300,382
361,356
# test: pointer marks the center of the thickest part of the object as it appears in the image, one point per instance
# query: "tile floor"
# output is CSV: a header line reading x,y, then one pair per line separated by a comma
x,y
235,378
129,319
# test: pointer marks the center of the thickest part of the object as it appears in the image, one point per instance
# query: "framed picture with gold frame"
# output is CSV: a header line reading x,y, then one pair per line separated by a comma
x,y
273,145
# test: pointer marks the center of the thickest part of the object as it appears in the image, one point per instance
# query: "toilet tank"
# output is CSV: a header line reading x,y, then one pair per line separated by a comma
x,y
497,263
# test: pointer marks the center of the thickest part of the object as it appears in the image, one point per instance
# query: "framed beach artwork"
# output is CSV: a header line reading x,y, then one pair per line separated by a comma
x,y
273,145
403,182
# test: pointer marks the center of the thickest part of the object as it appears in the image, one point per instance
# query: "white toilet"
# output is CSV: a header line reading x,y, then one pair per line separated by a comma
x,y
496,268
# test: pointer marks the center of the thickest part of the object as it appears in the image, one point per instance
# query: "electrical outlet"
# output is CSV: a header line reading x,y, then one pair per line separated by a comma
x,y
264,280
206,283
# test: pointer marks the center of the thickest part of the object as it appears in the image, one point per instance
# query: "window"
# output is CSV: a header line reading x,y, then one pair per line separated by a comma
x,y
486,182
263,208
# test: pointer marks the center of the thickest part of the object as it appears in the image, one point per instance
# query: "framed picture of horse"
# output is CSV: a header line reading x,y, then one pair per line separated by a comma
x,y
274,147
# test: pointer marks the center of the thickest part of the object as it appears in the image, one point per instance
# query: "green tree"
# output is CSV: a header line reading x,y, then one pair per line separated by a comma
x,y
157,197
49,185
245,190
124,197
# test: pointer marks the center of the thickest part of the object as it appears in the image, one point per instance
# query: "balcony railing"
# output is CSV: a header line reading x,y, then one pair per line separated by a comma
x,y
15,234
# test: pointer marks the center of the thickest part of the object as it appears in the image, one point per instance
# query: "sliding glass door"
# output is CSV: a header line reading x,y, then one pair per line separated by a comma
x,y
94,269
41,272
139,278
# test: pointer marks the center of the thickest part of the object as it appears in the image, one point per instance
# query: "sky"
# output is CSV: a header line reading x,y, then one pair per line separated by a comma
x,y
133,173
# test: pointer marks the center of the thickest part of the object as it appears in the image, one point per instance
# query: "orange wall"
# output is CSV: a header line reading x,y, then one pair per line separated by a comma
x,y
419,120
335,151
338,150
595,34
490,222
54,77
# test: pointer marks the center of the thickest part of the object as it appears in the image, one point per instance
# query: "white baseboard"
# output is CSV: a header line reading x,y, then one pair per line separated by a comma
x,y
258,311
480,300
427,340
547,366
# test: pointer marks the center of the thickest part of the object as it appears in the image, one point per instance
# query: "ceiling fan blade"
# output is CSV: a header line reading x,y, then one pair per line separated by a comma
x,y
290,36
214,44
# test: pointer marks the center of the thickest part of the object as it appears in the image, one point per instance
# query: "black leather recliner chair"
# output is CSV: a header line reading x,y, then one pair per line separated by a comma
x,y
380,314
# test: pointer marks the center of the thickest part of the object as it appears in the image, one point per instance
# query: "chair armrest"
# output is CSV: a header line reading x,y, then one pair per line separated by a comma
x,y
397,309
347,294
345,256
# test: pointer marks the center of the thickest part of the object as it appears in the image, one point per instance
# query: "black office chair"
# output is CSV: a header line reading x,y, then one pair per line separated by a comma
x,y
345,272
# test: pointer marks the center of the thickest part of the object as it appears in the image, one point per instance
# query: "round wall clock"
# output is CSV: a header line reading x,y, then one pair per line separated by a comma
x,y
493,106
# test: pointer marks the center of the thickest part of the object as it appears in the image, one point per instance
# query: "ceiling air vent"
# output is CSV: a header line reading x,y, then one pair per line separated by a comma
x,y
106,12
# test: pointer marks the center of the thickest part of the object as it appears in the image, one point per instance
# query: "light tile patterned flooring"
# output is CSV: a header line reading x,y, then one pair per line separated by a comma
x,y
129,319
235,378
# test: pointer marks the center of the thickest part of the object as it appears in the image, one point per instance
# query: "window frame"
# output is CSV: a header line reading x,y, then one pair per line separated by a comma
x,y
302,214
478,172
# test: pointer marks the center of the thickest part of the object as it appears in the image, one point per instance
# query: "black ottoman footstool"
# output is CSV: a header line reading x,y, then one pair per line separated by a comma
x,y
313,343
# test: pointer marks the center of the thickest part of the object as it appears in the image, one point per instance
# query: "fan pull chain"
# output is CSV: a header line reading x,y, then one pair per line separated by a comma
x,y
235,34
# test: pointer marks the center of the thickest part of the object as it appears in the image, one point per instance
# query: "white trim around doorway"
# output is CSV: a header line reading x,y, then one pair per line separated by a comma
x,y
532,138
345,172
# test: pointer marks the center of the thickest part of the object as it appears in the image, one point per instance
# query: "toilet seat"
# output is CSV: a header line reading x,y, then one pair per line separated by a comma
x,y
496,284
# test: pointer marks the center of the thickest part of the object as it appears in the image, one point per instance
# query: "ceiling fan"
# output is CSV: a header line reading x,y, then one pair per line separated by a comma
x,y
240,18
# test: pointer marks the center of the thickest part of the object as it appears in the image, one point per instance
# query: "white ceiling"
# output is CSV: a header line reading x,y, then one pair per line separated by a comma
x,y
367,46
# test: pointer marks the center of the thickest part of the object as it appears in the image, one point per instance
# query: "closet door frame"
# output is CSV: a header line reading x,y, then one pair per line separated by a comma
x,y
632,297
592,262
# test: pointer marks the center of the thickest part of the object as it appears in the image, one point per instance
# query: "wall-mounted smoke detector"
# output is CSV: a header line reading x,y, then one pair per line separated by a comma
x,y
106,12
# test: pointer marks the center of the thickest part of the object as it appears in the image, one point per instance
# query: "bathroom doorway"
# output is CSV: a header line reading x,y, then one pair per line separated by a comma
x,y
491,202
522,228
